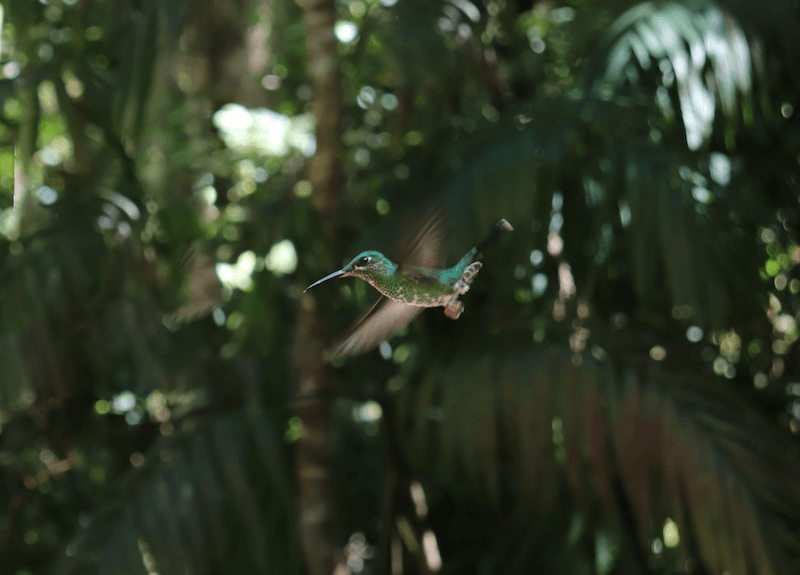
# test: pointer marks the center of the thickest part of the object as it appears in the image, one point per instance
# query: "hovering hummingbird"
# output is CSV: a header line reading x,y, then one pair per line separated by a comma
x,y
406,289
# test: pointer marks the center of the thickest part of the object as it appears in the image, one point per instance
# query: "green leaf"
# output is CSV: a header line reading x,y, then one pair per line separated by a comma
x,y
178,513
620,433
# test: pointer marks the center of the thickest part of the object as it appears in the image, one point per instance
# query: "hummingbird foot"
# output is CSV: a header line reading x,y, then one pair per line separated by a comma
x,y
454,308
466,279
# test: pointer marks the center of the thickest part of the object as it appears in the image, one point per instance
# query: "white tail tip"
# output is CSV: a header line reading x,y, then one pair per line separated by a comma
x,y
504,223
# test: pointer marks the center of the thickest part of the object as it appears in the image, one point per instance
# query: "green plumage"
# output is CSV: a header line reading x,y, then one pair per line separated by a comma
x,y
407,288
412,285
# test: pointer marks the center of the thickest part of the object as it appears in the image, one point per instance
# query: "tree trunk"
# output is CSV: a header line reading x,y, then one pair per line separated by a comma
x,y
315,456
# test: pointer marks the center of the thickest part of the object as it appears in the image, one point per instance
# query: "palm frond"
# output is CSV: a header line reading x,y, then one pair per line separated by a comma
x,y
213,499
68,307
42,287
700,55
652,215
670,447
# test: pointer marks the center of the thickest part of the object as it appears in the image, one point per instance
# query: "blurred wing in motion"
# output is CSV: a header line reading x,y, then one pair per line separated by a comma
x,y
382,320
424,246
424,241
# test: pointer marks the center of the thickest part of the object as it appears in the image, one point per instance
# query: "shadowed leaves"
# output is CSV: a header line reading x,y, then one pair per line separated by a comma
x,y
623,435
216,499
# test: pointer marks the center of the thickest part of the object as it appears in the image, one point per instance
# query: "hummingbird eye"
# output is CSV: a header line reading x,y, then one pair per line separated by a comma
x,y
363,262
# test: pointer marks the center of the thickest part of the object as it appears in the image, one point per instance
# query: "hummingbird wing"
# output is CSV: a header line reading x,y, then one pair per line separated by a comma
x,y
423,251
425,242
382,320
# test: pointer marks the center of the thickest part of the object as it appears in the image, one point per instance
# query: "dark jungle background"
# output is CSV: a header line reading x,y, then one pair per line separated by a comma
x,y
621,395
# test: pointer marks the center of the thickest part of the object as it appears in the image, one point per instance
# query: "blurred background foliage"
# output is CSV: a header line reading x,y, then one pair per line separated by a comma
x,y
622,394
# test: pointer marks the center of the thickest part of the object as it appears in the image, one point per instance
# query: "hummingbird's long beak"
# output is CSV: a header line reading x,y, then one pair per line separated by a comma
x,y
326,278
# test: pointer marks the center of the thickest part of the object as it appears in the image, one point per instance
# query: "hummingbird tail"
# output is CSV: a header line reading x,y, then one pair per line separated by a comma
x,y
498,229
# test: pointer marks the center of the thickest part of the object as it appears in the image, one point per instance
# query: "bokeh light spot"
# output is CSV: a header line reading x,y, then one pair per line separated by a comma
x,y
671,536
11,70
303,189
539,284
694,334
133,417
47,195
238,275
389,102
345,31
367,411
282,258
271,82
123,402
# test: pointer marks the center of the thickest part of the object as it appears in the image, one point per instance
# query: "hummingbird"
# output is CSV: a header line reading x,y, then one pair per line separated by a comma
x,y
407,289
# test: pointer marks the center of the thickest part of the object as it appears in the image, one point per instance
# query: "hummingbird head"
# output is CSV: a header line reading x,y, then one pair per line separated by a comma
x,y
369,266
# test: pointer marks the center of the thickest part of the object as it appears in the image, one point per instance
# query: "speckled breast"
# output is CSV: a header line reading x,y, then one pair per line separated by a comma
x,y
416,294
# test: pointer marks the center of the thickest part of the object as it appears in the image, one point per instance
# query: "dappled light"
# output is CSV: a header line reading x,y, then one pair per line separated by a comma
x,y
264,132
702,55
620,392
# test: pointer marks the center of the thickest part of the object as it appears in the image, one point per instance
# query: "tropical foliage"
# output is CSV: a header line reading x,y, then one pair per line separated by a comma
x,y
620,396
